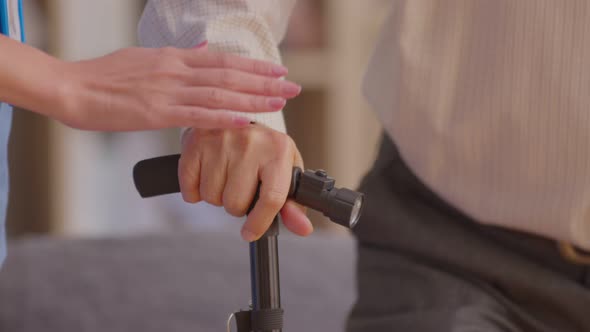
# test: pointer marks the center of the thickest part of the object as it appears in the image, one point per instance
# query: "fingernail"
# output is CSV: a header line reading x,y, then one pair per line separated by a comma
x,y
310,226
291,89
202,44
248,236
309,222
277,103
241,121
280,70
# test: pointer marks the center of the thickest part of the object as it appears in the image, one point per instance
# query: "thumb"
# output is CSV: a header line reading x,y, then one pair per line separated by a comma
x,y
295,220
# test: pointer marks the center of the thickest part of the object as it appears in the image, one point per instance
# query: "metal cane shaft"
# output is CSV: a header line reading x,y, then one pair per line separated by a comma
x,y
264,271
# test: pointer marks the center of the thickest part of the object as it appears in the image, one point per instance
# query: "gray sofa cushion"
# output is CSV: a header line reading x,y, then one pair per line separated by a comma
x,y
170,282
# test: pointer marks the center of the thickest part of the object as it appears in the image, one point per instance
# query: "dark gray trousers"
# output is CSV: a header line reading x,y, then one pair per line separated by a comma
x,y
423,266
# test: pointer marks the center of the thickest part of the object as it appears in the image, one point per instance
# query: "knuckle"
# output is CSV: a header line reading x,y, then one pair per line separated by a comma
x,y
208,138
281,142
214,97
196,115
256,102
228,79
245,140
273,198
175,73
225,139
235,206
254,137
190,196
290,143
192,139
188,170
242,140
168,69
211,195
215,200
269,87
210,189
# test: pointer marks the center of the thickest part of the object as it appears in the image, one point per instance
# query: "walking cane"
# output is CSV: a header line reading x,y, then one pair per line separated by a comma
x,y
314,189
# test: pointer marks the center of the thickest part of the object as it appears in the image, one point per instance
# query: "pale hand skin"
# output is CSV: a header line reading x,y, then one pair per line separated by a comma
x,y
142,88
224,167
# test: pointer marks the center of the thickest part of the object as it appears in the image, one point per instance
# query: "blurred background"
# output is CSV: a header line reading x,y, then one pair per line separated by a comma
x,y
72,183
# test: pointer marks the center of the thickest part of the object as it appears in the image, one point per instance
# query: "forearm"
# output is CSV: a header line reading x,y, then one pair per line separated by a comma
x,y
251,28
30,78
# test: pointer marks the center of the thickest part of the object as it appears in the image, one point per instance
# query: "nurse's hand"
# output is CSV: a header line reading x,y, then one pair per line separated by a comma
x,y
224,167
143,88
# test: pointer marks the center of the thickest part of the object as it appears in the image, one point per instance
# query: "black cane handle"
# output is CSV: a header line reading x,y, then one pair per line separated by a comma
x,y
159,176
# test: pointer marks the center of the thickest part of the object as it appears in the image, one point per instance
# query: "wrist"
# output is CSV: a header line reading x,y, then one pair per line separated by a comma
x,y
30,79
65,95
48,91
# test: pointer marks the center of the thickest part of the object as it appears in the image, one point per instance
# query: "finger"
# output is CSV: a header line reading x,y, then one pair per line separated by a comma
x,y
240,188
199,117
245,82
297,158
188,175
217,98
293,214
203,58
213,174
295,219
276,179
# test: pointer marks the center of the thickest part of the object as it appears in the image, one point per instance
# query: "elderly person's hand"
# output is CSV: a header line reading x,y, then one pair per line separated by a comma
x,y
142,88
224,168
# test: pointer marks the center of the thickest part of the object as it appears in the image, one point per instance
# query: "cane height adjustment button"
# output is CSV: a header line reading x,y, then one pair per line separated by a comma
x,y
321,173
